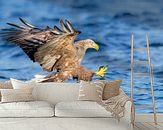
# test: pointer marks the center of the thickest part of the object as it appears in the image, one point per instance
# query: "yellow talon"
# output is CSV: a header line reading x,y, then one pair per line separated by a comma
x,y
101,72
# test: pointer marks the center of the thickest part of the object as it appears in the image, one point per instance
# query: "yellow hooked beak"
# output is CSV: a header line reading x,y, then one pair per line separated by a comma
x,y
96,46
101,72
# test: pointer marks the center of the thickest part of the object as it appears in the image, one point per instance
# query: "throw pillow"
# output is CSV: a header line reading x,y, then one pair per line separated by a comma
x,y
16,95
18,84
111,89
91,91
5,85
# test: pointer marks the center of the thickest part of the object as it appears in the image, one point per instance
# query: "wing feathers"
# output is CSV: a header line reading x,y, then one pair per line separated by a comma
x,y
49,47
58,31
17,26
64,27
70,26
27,24
49,62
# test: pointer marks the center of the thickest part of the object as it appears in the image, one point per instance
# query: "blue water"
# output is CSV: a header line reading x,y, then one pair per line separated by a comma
x,y
110,23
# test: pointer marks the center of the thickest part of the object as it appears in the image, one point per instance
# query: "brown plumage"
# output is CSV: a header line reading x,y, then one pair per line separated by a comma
x,y
53,49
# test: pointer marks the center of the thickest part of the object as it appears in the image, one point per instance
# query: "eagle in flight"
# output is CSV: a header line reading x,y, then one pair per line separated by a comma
x,y
54,49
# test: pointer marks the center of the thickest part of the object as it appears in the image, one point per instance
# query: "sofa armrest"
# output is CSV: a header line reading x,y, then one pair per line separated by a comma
x,y
127,112
126,119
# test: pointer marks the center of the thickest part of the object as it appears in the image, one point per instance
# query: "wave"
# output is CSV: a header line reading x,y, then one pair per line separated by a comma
x,y
125,15
156,44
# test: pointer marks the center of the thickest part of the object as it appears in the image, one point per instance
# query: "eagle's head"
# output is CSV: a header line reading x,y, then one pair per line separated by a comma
x,y
88,43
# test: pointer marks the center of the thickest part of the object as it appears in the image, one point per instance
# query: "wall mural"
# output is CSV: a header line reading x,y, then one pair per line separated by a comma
x,y
54,49
109,23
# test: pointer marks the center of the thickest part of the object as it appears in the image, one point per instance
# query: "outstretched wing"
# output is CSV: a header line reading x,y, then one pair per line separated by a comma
x,y
46,46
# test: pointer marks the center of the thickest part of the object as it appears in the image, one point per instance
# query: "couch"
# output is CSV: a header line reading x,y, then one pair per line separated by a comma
x,y
57,108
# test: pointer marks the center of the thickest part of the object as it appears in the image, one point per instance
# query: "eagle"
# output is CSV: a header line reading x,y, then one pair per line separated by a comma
x,y
54,49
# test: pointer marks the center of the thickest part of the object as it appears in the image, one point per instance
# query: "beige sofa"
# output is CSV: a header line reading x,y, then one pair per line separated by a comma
x,y
57,108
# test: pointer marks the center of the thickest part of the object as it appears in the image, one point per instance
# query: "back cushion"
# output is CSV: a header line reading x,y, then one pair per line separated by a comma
x,y
5,85
57,92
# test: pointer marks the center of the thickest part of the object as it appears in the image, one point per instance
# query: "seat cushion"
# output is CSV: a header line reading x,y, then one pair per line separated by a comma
x,y
80,109
26,109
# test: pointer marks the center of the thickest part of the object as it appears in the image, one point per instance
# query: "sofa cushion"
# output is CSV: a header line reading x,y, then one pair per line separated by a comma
x,y
18,84
111,89
80,109
26,109
91,91
5,85
16,95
